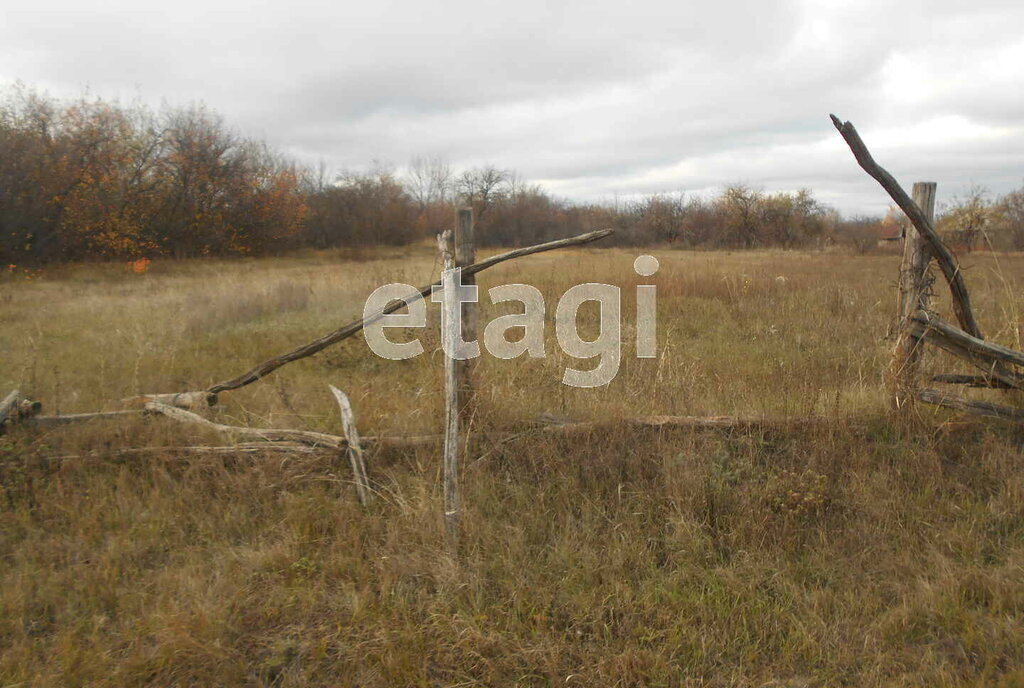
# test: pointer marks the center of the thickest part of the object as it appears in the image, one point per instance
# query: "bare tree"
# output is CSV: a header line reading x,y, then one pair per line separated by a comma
x,y
429,181
482,186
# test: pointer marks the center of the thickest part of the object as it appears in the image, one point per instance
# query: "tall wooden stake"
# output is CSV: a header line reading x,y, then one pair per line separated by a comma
x,y
465,254
914,285
451,396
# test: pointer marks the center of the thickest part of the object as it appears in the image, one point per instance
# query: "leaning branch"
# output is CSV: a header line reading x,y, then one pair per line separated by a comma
x,y
947,262
352,328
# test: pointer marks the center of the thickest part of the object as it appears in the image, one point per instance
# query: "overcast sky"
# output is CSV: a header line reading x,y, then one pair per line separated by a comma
x,y
591,99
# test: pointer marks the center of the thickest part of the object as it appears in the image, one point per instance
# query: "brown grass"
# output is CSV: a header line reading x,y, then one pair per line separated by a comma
x,y
856,553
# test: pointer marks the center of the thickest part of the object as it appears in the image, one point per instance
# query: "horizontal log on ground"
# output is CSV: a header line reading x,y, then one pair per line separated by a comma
x,y
981,408
316,439
979,381
947,262
722,422
305,437
270,365
229,450
185,400
68,418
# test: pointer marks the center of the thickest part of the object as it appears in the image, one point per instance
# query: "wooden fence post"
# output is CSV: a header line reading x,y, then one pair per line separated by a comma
x,y
451,397
914,295
465,254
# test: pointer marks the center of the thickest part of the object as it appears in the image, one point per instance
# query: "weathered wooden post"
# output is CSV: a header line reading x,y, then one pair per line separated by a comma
x,y
451,393
914,295
465,255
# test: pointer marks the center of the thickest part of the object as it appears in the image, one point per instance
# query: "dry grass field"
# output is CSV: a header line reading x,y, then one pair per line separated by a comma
x,y
856,552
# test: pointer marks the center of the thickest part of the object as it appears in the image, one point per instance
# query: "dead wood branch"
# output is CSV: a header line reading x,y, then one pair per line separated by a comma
x,y
978,381
185,400
65,419
981,408
988,357
935,329
352,328
315,439
947,262
710,422
305,437
354,450
230,450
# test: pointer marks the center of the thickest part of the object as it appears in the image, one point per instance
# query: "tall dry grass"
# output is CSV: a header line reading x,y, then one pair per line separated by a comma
x,y
855,553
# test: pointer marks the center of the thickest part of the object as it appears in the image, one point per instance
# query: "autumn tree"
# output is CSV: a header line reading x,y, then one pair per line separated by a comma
x,y
965,218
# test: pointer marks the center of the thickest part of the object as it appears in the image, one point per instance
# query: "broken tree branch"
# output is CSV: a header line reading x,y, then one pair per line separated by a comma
x,y
314,439
185,400
352,328
354,451
947,262
65,419
230,450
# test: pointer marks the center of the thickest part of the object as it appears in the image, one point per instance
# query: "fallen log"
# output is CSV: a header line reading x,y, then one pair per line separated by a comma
x,y
720,422
229,450
980,408
67,418
977,381
947,262
317,345
308,437
185,400
305,437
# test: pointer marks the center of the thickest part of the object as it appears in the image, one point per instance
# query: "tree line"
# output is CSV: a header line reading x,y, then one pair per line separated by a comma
x,y
87,178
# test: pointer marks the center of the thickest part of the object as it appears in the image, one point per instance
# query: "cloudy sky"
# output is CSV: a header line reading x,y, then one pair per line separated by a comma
x,y
592,99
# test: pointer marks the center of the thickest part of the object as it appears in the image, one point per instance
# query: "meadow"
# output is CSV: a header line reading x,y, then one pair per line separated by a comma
x,y
857,551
